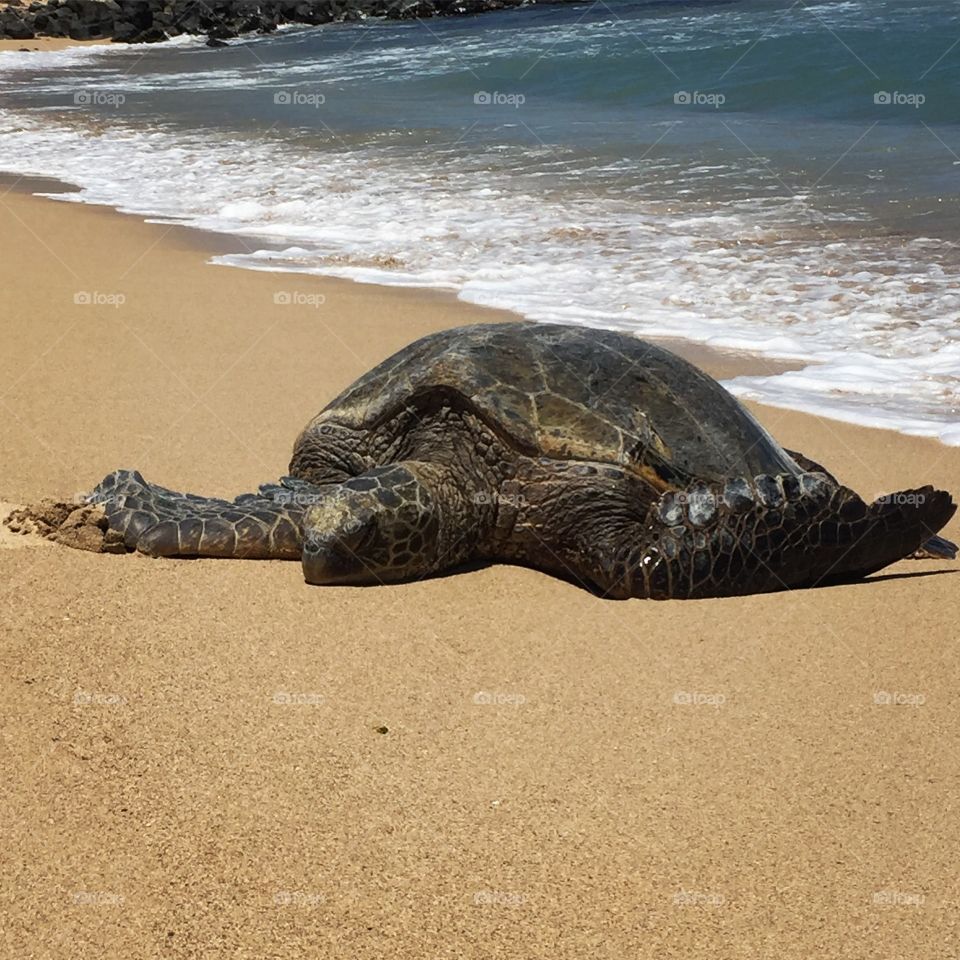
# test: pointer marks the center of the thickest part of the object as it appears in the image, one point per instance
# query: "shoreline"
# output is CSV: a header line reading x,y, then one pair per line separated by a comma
x,y
720,363
212,758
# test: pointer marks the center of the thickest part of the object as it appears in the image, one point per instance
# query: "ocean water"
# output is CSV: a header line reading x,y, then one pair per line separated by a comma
x,y
776,177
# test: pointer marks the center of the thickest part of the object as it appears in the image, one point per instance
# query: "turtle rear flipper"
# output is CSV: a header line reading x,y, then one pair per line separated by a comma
x,y
776,533
936,548
898,525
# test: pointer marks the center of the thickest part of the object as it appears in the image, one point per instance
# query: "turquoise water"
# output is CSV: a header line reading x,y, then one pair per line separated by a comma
x,y
770,176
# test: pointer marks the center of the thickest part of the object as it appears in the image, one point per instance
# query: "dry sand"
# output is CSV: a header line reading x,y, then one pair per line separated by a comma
x,y
209,758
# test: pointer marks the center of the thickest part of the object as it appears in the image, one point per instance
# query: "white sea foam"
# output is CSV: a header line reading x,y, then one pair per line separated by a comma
x,y
15,61
18,61
876,321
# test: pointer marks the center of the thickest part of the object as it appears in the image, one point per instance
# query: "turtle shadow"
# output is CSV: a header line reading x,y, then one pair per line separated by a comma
x,y
594,591
879,578
473,566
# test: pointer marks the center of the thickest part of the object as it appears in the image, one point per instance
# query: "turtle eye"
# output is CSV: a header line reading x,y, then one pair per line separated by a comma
x,y
360,531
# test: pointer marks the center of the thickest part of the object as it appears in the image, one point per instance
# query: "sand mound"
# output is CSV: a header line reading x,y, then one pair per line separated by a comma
x,y
81,526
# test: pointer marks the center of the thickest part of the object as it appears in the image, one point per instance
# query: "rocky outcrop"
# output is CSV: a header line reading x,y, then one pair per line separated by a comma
x,y
148,21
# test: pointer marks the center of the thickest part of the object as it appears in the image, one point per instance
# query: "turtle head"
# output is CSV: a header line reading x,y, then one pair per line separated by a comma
x,y
379,527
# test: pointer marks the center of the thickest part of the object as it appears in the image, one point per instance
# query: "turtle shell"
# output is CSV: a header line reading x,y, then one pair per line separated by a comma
x,y
573,393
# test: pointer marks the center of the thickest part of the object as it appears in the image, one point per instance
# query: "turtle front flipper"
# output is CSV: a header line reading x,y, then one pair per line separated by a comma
x,y
162,522
773,533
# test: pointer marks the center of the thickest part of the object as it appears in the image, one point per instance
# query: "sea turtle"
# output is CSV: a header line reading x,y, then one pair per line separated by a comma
x,y
590,454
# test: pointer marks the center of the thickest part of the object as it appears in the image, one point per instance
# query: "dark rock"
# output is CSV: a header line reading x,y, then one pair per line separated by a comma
x,y
91,19
150,21
135,13
214,42
151,35
224,32
126,33
12,25
50,24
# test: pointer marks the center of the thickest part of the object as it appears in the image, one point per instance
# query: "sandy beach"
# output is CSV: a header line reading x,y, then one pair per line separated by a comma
x,y
210,758
46,43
